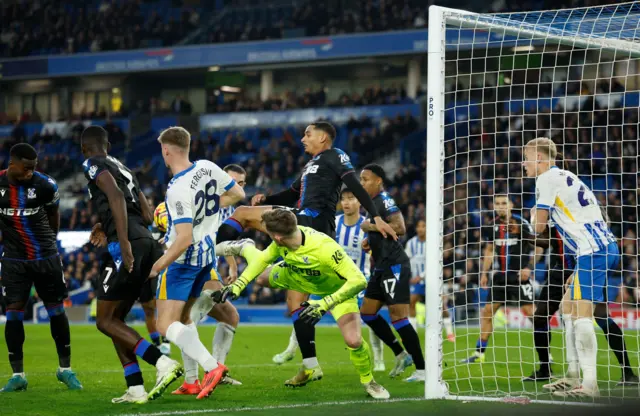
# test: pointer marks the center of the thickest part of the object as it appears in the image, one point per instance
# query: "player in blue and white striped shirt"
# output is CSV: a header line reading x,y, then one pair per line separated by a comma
x,y
350,236
415,249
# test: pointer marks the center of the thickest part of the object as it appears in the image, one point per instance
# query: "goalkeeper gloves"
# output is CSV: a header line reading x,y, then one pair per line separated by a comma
x,y
231,291
313,310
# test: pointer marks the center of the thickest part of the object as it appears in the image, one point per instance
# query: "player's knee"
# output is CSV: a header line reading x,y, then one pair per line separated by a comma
x,y
232,317
353,341
105,324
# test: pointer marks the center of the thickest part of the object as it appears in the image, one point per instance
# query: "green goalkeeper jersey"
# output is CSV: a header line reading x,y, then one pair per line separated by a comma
x,y
320,266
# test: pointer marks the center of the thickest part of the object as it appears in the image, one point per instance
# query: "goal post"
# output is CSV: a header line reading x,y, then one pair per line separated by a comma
x,y
496,81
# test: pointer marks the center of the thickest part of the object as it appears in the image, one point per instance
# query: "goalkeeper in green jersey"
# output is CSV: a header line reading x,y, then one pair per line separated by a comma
x,y
315,264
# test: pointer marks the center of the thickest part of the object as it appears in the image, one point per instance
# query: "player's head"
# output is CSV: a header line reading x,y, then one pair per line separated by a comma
x,y
175,143
281,225
350,204
238,174
94,141
539,156
421,229
23,159
373,178
502,205
318,136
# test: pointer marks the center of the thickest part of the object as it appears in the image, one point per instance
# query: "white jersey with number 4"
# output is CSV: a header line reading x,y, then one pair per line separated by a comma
x,y
574,210
193,196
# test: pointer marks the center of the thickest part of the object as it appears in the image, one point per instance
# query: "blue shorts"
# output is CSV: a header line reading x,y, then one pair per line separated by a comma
x,y
590,277
181,281
418,289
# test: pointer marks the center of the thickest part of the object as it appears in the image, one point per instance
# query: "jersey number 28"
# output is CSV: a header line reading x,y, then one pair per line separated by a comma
x,y
208,200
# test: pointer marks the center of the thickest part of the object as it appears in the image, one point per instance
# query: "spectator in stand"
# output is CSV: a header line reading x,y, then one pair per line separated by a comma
x,y
181,106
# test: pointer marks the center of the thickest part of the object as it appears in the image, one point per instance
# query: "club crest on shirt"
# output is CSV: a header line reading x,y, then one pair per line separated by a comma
x,y
305,259
92,171
31,193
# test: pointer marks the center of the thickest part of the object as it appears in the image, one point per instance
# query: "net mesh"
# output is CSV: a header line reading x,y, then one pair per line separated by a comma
x,y
572,76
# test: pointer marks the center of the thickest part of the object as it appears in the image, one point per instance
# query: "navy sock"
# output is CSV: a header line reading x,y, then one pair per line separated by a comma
x,y
150,353
481,346
383,331
156,338
132,374
59,325
14,336
616,342
306,336
411,341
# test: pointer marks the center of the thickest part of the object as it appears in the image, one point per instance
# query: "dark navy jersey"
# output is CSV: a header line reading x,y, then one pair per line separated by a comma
x,y
513,243
24,221
321,180
386,252
128,184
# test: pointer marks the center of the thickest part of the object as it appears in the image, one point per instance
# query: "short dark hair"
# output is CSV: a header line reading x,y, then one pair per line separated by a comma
x,y
501,195
378,171
280,221
23,151
235,168
326,128
95,136
345,190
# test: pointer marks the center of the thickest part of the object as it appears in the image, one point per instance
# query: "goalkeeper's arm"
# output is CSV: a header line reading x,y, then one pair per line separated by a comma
x,y
256,267
346,269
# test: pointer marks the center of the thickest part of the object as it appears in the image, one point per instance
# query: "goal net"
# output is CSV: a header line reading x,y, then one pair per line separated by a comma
x,y
496,81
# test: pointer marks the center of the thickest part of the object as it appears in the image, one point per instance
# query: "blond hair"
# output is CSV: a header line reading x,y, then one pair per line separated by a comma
x,y
545,146
176,136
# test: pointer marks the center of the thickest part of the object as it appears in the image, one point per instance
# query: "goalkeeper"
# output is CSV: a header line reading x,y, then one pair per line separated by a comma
x,y
315,264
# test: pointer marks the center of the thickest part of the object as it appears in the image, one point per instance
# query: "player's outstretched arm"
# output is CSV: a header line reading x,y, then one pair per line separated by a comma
x,y
287,198
395,221
118,206
232,196
253,270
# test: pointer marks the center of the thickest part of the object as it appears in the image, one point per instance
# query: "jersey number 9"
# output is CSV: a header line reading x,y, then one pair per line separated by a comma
x,y
207,200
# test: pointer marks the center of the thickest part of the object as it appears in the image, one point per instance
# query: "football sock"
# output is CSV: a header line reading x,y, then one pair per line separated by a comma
x,y
156,338
230,229
541,340
187,339
413,321
362,361
382,329
293,343
132,374
481,345
59,326
448,324
411,341
222,339
615,338
14,336
190,365
150,353
376,346
587,348
306,336
570,346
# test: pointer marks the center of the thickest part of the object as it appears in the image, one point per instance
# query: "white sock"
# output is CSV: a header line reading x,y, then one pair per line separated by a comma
x,y
19,374
201,307
137,391
222,339
376,346
187,339
587,347
293,343
190,365
570,347
448,324
64,368
310,363
414,322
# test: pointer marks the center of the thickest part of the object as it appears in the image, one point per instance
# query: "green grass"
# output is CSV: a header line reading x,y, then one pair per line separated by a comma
x,y
263,392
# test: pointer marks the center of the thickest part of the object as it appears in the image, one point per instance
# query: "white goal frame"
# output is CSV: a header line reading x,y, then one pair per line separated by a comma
x,y
526,34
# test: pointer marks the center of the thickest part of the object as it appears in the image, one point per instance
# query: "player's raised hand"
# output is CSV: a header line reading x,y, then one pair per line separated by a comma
x,y
98,238
127,256
385,229
258,199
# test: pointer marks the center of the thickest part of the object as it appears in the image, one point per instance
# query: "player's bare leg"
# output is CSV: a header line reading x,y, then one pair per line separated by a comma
x,y
174,322
243,217
360,354
413,319
486,329
369,312
149,309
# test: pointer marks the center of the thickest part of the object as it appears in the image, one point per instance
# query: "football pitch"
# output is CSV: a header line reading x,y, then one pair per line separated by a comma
x,y
263,391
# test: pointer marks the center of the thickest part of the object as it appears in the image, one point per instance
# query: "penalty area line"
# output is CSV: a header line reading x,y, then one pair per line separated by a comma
x,y
275,407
